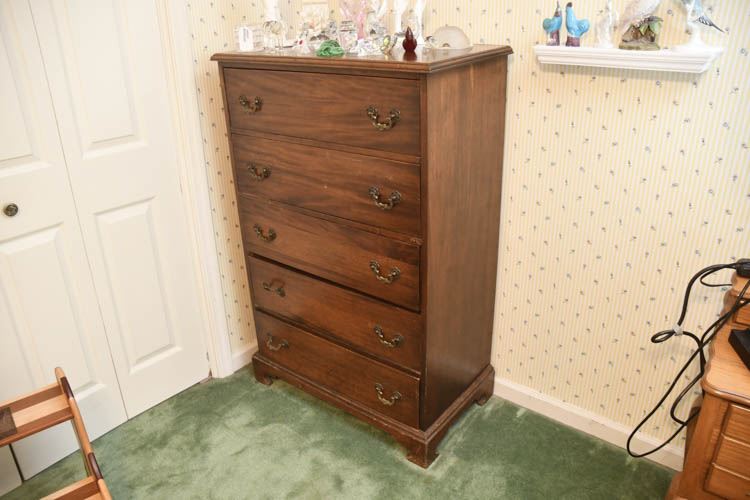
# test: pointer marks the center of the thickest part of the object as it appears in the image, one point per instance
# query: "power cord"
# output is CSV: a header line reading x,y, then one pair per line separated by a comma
x,y
701,342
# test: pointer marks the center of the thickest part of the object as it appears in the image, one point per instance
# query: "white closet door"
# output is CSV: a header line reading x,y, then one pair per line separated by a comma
x,y
49,314
106,65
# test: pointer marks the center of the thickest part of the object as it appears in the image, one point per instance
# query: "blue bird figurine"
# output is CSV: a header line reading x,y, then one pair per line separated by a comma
x,y
576,27
552,27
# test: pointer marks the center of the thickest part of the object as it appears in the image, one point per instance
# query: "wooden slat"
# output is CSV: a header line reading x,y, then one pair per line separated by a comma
x,y
32,398
83,489
39,417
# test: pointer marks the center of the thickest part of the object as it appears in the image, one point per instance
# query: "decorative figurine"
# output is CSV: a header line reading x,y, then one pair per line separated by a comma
x,y
605,26
643,35
448,38
410,41
552,27
636,12
330,48
387,43
347,35
376,26
274,29
696,19
399,7
576,27
316,29
355,10
417,20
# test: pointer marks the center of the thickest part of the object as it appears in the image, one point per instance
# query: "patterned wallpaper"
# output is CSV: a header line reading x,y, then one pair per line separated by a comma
x,y
212,29
618,186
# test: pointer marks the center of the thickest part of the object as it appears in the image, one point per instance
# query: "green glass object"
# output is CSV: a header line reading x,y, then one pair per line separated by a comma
x,y
330,48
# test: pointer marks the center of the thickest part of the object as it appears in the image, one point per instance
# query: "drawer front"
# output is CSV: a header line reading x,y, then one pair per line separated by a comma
x,y
332,251
361,188
734,456
377,328
726,484
741,317
330,108
738,423
343,371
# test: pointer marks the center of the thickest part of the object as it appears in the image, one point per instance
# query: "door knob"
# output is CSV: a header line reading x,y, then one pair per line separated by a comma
x,y
10,210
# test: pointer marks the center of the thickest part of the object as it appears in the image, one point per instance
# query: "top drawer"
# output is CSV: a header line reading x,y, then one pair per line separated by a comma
x,y
330,108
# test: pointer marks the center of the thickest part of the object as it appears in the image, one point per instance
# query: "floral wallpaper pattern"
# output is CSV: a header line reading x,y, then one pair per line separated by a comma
x,y
618,186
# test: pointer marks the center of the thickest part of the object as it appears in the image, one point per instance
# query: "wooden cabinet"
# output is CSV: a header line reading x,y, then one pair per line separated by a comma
x,y
717,456
369,201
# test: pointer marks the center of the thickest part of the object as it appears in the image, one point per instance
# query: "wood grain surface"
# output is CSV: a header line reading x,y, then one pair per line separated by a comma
x,y
332,251
340,369
345,315
329,181
329,108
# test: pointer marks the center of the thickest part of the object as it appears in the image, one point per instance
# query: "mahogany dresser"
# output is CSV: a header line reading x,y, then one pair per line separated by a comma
x,y
717,454
369,200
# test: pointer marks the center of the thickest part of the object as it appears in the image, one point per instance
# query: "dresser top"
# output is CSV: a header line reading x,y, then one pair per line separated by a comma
x,y
726,374
422,62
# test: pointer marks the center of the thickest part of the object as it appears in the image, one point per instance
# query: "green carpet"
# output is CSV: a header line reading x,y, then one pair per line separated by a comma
x,y
235,438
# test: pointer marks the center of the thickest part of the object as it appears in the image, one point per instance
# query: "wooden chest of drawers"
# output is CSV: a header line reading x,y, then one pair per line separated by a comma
x,y
717,455
369,200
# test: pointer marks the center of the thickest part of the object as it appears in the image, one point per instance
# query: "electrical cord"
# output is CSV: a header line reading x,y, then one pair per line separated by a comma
x,y
701,342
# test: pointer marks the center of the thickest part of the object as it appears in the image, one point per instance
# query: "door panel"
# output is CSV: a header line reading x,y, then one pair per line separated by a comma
x,y
9,477
49,314
106,68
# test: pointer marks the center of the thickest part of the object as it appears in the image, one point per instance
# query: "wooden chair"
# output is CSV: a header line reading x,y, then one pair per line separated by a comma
x,y
42,409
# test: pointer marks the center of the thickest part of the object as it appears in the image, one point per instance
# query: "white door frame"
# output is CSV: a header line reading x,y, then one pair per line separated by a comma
x,y
175,31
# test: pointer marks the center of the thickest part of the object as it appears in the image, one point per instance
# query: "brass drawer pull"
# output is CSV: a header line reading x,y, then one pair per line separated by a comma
x,y
259,233
393,118
393,200
282,345
278,291
390,278
259,174
396,396
397,340
251,106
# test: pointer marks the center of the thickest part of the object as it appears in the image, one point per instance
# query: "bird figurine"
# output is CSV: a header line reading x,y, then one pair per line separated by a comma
x,y
552,27
696,18
635,12
410,41
576,27
606,24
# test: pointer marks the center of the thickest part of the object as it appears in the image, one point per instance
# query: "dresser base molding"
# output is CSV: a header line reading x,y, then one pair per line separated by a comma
x,y
421,445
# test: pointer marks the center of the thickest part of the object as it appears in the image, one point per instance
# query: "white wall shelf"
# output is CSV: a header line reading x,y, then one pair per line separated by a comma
x,y
677,60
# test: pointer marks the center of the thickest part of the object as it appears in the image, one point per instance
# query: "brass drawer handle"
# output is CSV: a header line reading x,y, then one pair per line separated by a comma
x,y
396,396
393,118
251,106
259,233
397,340
390,278
282,345
278,291
393,200
259,174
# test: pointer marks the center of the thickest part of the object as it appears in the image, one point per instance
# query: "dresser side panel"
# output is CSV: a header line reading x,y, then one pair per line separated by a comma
x,y
465,126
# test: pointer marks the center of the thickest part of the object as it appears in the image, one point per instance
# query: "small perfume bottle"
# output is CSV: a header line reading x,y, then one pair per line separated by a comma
x,y
249,37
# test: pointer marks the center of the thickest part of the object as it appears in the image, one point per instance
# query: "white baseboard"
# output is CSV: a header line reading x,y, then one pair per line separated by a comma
x,y
242,358
585,421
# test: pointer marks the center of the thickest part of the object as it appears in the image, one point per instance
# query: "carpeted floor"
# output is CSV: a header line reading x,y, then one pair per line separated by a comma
x,y
235,438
